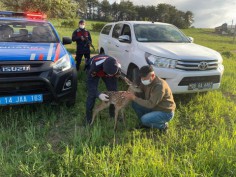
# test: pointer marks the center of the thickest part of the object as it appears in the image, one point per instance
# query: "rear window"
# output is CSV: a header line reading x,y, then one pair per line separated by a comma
x,y
24,31
106,30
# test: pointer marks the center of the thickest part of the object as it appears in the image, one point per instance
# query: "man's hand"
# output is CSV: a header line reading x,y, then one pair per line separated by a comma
x,y
129,95
82,38
103,97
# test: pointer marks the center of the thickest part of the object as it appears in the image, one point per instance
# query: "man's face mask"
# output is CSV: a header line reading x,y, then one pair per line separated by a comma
x,y
82,26
147,81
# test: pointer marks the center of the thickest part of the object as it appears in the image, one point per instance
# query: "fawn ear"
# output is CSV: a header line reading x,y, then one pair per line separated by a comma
x,y
128,82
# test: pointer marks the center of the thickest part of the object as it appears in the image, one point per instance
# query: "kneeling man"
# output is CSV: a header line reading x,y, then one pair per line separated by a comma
x,y
156,106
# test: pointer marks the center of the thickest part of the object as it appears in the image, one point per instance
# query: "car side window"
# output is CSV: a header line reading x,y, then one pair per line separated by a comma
x,y
116,31
106,29
126,30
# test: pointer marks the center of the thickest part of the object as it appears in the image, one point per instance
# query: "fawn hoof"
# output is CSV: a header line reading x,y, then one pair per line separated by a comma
x,y
87,121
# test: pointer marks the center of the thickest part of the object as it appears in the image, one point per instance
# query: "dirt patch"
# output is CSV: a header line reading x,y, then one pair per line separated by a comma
x,y
233,51
231,96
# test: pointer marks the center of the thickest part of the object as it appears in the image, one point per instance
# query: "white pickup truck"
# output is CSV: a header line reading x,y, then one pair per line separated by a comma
x,y
187,67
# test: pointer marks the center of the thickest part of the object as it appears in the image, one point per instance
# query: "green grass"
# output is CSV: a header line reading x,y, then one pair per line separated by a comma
x,y
208,38
47,140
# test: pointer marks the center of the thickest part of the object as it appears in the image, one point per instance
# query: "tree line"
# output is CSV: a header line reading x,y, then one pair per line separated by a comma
x,y
103,11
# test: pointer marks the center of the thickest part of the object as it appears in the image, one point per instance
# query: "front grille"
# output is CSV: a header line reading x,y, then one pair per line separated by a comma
x,y
190,65
23,87
199,79
14,75
33,64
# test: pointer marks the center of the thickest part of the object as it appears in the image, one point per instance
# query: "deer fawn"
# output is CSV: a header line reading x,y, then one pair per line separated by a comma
x,y
116,98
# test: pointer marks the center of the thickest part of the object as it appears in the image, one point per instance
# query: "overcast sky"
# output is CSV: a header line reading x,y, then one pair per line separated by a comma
x,y
207,13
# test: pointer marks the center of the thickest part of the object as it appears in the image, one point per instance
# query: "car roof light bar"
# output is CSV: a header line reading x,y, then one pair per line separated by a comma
x,y
29,15
39,16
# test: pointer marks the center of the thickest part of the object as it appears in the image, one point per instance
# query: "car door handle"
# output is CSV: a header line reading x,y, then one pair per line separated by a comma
x,y
117,46
126,50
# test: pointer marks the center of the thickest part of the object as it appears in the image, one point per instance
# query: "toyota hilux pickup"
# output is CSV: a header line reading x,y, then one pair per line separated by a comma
x,y
35,67
187,67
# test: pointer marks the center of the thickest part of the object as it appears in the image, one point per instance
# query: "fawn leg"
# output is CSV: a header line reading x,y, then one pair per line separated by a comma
x,y
116,117
98,108
123,116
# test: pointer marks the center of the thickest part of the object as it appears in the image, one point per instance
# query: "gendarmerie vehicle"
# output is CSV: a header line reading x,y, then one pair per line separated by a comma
x,y
35,67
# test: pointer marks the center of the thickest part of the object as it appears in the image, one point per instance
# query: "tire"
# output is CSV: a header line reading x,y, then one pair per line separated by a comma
x,y
72,98
133,75
102,52
71,103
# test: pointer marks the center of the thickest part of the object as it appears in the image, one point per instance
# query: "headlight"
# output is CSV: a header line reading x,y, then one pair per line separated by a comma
x,y
62,64
160,62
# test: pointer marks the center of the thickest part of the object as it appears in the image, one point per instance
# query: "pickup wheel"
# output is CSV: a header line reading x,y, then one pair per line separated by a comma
x,y
102,52
133,75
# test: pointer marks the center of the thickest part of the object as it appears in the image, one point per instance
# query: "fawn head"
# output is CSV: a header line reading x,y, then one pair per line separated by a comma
x,y
132,87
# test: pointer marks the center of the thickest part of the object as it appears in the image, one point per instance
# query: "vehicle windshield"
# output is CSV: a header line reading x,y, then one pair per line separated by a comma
x,y
23,31
159,33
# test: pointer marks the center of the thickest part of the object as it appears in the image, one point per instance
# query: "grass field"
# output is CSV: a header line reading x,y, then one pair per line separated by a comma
x,y
51,141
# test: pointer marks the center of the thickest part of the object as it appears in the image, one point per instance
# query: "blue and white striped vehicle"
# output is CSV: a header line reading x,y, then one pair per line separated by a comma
x,y
35,67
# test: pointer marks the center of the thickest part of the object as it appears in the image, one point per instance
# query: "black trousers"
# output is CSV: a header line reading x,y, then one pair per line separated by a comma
x,y
92,87
78,59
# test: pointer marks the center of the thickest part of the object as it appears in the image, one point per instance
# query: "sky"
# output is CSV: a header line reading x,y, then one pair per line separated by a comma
x,y
207,13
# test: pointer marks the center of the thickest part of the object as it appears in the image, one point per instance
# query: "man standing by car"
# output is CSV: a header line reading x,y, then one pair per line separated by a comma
x,y
107,68
157,105
83,40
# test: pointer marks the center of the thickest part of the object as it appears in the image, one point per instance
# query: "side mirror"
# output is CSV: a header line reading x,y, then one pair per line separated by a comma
x,y
191,39
124,38
66,40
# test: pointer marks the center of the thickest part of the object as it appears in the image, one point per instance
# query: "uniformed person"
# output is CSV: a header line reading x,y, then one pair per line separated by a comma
x,y
83,40
108,69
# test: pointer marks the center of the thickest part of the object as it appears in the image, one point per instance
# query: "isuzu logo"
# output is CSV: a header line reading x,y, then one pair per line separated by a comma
x,y
203,65
15,68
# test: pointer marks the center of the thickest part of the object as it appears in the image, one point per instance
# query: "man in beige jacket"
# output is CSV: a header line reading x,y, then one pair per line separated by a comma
x,y
156,106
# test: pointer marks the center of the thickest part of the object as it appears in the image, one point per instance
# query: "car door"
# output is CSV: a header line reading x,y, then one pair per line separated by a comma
x,y
113,44
105,39
125,48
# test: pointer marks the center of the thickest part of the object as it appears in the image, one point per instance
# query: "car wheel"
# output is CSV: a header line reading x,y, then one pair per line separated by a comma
x,y
71,102
133,75
102,52
72,97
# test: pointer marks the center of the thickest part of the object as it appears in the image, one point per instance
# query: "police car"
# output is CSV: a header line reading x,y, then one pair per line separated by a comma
x,y
35,67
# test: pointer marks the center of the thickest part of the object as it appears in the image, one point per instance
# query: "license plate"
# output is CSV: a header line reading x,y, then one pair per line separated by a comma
x,y
21,99
200,85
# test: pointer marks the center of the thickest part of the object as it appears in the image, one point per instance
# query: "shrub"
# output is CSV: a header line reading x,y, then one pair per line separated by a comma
x,y
69,23
97,26
227,54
